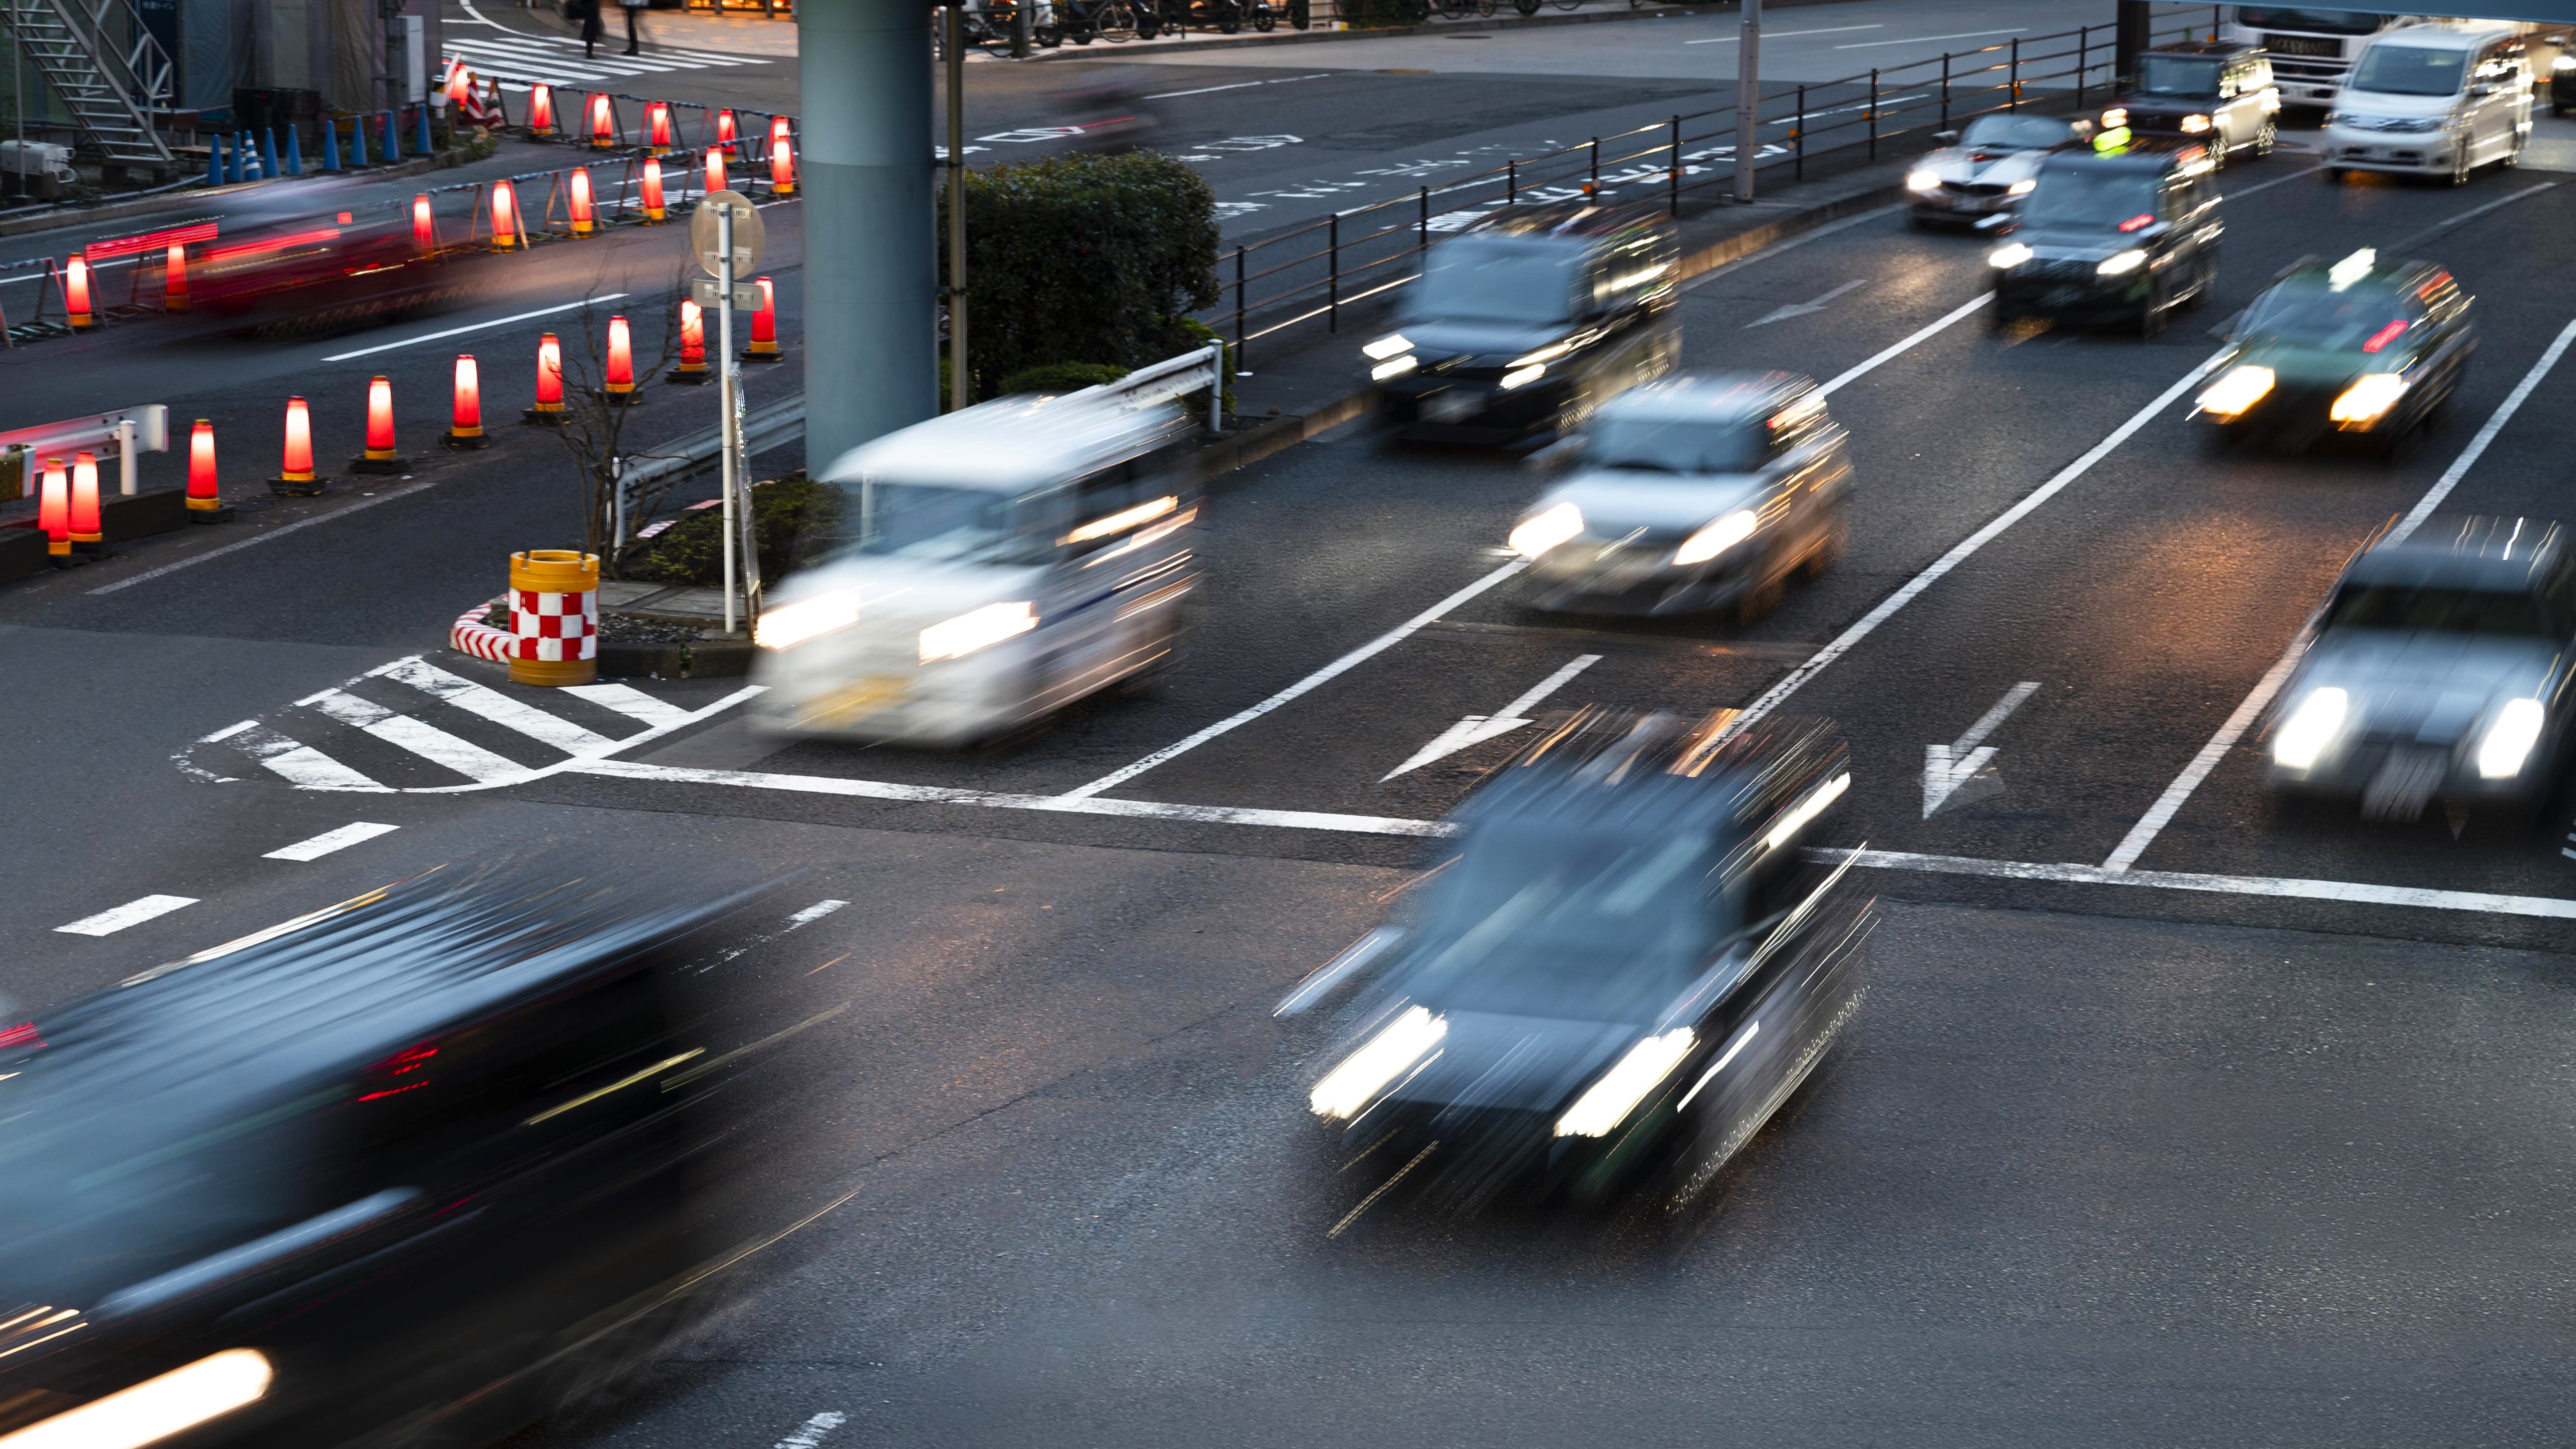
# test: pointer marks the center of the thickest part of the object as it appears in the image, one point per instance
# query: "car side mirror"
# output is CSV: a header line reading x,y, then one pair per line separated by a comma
x,y
1945,138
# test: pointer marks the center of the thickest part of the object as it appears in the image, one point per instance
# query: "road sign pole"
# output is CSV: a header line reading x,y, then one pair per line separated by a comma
x,y
726,421
1748,98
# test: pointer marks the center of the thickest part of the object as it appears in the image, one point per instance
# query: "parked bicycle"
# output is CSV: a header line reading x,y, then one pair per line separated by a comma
x,y
1087,20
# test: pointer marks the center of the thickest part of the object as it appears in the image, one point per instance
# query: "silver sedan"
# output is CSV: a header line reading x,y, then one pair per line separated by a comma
x,y
1988,169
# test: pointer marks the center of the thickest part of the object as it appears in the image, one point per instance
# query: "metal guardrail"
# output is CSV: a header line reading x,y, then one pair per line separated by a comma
x,y
1173,377
127,431
1313,272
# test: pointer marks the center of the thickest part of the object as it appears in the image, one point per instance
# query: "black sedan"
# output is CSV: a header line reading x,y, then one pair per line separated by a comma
x,y
2121,236
1627,969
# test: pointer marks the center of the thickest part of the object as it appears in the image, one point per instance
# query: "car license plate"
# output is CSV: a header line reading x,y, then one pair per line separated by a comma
x,y
856,702
1451,404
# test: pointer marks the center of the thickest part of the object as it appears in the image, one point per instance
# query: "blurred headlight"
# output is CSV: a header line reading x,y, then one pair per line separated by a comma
x,y
2564,62
2368,399
1388,346
1347,1090
1522,376
2023,187
2310,728
1718,537
2508,741
154,1409
792,624
2114,118
2120,264
2194,125
2418,124
1923,181
1397,367
1621,1088
1541,532
2008,256
2237,389
2333,118
1549,353
956,638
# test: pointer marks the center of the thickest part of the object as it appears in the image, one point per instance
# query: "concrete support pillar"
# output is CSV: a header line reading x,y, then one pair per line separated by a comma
x,y
871,277
2131,21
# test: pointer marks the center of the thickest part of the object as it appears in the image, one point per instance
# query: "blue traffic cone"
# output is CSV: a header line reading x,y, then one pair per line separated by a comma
x,y
268,152
393,139
215,159
358,142
294,151
422,144
330,143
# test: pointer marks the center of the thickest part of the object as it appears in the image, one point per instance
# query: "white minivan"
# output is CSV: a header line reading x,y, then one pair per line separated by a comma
x,y
2432,99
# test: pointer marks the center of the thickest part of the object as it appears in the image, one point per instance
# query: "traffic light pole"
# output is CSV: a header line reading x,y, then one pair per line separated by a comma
x,y
961,384
871,273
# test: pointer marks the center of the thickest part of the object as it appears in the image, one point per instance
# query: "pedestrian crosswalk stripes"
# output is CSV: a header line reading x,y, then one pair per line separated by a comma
x,y
523,60
412,726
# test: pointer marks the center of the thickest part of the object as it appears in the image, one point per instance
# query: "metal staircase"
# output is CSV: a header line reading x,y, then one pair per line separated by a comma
x,y
107,69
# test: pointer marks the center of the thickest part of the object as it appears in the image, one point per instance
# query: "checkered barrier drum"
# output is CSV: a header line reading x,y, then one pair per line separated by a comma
x,y
554,627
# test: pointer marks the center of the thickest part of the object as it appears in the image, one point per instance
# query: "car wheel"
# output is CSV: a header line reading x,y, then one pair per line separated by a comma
x,y
1760,597
2460,167
2333,175
2513,154
2151,318
2266,138
1830,546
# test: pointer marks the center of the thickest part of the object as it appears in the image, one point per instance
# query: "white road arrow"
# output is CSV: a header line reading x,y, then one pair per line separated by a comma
x,y
1947,767
1801,309
1475,729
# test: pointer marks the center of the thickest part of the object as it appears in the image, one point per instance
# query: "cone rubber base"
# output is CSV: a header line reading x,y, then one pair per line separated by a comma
x,y
542,417
687,378
220,513
465,442
622,399
764,357
298,487
389,466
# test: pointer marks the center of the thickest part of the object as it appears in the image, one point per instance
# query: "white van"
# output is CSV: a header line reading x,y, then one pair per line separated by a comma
x,y
996,564
2434,99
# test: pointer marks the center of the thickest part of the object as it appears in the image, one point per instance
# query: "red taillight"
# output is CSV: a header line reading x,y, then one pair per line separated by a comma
x,y
398,1073
21,1035
2145,218
2384,336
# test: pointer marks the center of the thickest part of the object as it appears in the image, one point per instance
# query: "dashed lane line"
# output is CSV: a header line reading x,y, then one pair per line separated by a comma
x,y
132,913
329,841
474,327
2279,887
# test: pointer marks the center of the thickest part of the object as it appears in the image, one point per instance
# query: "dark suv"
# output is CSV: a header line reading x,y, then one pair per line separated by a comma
x,y
2210,92
1528,319
2125,235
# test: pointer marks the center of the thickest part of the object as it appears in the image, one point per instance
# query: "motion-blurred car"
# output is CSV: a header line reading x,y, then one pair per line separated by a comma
x,y
1529,319
2214,93
2432,100
1988,167
2124,235
2438,669
997,564
1695,494
2353,346
410,1172
293,266
1630,965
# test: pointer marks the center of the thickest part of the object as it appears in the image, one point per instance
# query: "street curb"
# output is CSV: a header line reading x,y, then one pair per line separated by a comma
x,y
1443,27
190,200
707,659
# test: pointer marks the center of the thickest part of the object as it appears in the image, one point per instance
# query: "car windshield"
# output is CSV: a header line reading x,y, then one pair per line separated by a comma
x,y
2091,197
1499,279
2014,133
2178,75
1539,921
1675,445
2322,22
2318,316
2408,70
936,522
2444,611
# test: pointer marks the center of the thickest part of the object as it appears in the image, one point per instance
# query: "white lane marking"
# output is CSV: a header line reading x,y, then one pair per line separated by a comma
x,y
427,741
1922,334
299,764
1965,548
2161,814
1056,804
2353,892
1921,39
271,536
1354,956
1785,243
1788,310
633,703
1475,729
132,913
2472,214
1947,767
813,913
492,705
2244,191
1751,1028
1239,85
1320,677
2477,447
525,775
812,1431
1786,34
473,327
330,840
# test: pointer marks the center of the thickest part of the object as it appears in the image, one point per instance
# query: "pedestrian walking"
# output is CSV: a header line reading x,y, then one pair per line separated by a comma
x,y
587,12
633,9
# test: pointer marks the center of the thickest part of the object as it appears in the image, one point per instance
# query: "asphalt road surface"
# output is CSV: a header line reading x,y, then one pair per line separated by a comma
x,y
2254,1139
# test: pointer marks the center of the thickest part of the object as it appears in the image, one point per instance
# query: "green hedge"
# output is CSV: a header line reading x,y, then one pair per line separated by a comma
x,y
1083,259
1062,377
794,520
